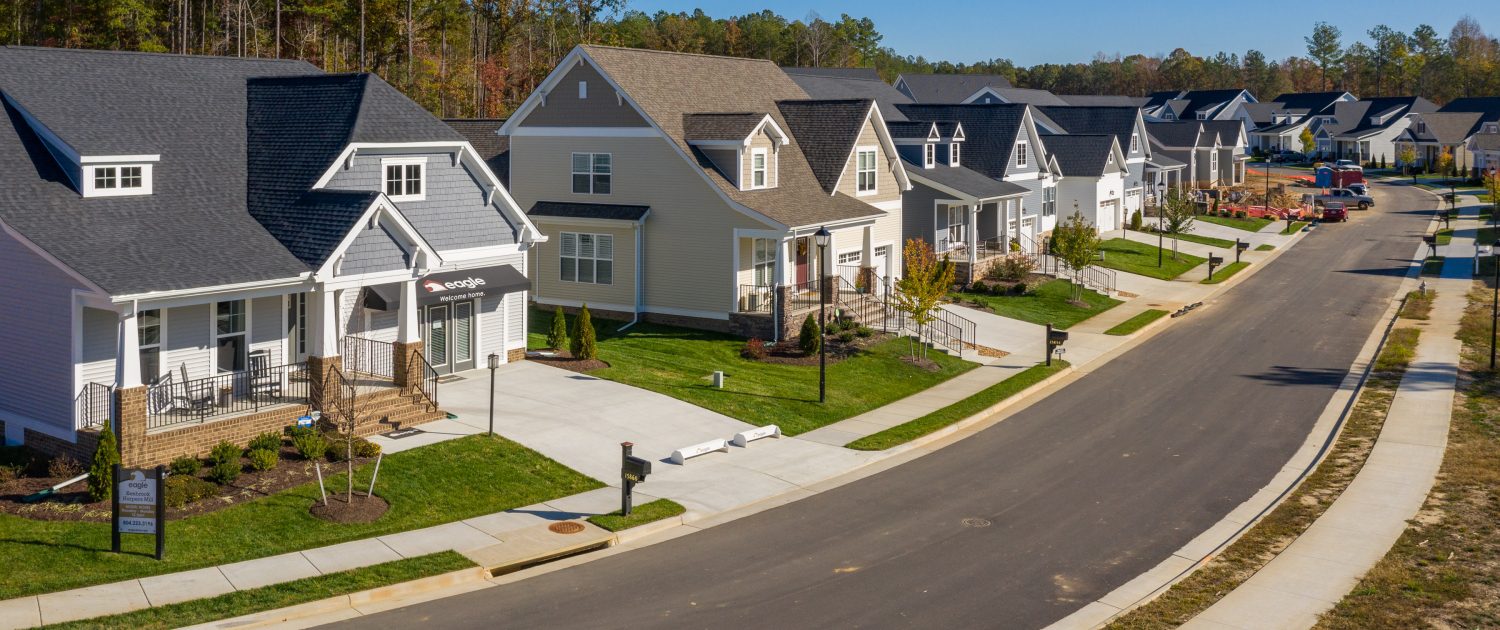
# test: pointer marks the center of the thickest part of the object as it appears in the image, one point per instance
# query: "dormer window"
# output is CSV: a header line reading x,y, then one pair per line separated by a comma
x,y
953,154
1202,115
1169,116
1135,142
929,155
405,178
117,180
759,166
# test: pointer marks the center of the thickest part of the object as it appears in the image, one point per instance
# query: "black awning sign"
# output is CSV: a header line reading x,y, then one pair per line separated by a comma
x,y
470,284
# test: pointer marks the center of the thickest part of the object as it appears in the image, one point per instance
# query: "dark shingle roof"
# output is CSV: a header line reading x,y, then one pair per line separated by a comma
x,y
990,131
949,88
1352,119
1029,96
1231,132
1103,100
1313,102
1118,121
966,180
831,87
866,74
1179,134
826,131
1192,100
1084,155
910,129
618,212
193,230
720,125
493,148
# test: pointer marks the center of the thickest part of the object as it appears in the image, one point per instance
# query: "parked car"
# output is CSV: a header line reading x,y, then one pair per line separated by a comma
x,y
1359,189
1345,196
1288,156
1349,164
1334,211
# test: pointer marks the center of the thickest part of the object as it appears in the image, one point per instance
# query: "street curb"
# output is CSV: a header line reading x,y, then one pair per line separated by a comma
x,y
1146,587
350,603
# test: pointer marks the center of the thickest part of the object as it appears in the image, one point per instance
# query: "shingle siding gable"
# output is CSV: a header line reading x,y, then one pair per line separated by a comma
x,y
453,214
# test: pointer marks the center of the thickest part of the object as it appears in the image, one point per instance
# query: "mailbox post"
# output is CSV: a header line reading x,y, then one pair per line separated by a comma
x,y
1431,241
633,470
1239,248
1055,339
1213,261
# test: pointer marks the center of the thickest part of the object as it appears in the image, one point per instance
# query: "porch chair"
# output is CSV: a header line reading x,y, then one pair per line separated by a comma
x,y
195,396
159,396
263,379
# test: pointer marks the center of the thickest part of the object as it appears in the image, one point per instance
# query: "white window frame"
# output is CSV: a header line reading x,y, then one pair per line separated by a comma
x,y
578,258
593,172
763,261
1135,142
583,90
159,346
405,179
929,155
873,170
1021,158
116,178
765,168
213,323
953,154
851,257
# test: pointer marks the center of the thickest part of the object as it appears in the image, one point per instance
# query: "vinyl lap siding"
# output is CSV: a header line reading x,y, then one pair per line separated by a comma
x,y
491,329
265,328
886,186
548,271
452,216
37,337
189,341
101,331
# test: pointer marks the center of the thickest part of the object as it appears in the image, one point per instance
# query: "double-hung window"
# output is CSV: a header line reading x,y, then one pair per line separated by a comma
x,y
229,335
591,173
758,177
588,258
953,154
1049,201
1135,142
958,227
929,155
865,171
1021,154
405,178
765,262
148,332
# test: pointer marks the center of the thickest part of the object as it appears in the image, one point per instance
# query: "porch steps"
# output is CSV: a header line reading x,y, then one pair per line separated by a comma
x,y
388,409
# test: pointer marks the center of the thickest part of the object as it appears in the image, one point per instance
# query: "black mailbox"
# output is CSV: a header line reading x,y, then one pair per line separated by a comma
x,y
1241,245
1056,337
1218,260
635,469
1430,239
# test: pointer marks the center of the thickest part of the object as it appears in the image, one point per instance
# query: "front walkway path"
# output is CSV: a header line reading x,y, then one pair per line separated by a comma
x,y
1323,564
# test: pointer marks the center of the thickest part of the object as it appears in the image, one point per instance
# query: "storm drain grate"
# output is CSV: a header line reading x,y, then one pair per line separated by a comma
x,y
975,521
565,527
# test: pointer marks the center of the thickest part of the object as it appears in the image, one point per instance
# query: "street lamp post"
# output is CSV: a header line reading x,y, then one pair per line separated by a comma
x,y
1494,299
494,364
1161,225
821,237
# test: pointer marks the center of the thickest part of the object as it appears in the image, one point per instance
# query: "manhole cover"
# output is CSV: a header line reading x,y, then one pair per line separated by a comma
x,y
975,521
566,527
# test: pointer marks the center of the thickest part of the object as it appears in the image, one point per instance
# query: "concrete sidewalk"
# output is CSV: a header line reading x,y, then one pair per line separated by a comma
x,y
1323,564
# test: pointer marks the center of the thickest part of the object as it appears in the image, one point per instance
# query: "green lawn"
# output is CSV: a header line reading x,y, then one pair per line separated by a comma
x,y
1444,236
678,362
432,485
1248,224
1140,258
1294,228
1047,303
639,515
1136,323
1223,273
1264,247
279,596
1200,239
1432,266
906,432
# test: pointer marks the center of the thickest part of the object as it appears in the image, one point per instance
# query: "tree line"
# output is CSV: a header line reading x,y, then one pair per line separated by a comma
x,y
468,58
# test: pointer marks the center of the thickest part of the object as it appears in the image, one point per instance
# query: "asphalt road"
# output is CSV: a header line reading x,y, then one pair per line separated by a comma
x,y
1085,489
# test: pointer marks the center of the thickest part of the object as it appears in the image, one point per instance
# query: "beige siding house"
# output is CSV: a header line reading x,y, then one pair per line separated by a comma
x,y
686,189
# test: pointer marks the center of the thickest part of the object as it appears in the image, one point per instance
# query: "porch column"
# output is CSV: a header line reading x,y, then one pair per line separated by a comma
x,y
408,337
322,347
130,395
1003,223
128,352
867,274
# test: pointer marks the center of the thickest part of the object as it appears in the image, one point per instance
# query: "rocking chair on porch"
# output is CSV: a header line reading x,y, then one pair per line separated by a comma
x,y
263,379
195,396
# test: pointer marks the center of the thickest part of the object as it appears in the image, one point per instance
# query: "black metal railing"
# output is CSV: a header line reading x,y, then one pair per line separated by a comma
x,y
368,358
946,328
248,391
93,406
754,298
335,397
422,379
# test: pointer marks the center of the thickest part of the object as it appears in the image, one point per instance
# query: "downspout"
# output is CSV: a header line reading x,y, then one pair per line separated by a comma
x,y
640,277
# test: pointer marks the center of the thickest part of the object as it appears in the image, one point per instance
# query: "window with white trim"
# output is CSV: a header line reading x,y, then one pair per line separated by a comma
x,y
583,90
864,171
884,251
588,258
758,168
851,258
1049,201
405,178
1135,142
230,341
116,180
592,173
148,332
764,261
1020,154
929,155
953,154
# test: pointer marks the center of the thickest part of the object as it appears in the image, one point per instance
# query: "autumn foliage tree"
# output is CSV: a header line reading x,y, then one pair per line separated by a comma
x,y
919,292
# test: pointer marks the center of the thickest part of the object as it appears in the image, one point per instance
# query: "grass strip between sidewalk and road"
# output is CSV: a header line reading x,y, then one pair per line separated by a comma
x,y
1294,228
278,596
1418,304
1049,302
1248,224
1433,265
986,398
1223,273
1258,546
1441,571
1141,259
1221,243
1135,323
1264,247
432,485
639,515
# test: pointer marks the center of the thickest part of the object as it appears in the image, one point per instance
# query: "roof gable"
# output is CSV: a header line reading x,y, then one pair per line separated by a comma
x,y
990,131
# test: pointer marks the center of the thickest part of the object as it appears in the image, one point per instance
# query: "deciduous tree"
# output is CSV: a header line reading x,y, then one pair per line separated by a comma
x,y
919,292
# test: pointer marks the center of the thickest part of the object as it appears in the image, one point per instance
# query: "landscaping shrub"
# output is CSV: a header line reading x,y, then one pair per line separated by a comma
x,y
262,459
1382,160
224,472
184,489
64,466
309,443
102,470
335,452
185,466
979,287
1135,221
584,346
754,349
266,441
810,339
1241,214
557,336
864,331
9,473
225,453
1013,268
846,336
365,448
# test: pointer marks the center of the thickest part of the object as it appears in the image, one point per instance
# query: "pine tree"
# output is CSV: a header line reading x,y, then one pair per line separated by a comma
x,y
557,338
584,345
1135,221
102,471
811,338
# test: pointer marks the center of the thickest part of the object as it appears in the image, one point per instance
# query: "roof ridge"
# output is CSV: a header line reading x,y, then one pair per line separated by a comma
x,y
99,51
675,53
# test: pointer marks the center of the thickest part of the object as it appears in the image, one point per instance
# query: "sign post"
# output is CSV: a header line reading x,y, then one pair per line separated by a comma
x,y
633,470
139,506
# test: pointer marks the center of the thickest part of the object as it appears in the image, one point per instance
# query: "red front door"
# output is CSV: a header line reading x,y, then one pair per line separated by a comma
x,y
803,244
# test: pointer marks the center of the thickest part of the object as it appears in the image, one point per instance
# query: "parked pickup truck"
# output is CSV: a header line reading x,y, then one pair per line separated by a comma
x,y
1346,197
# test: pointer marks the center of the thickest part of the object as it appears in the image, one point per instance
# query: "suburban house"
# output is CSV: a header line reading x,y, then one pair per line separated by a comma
x,y
1173,105
1366,130
1126,124
821,84
1233,148
1192,144
1485,146
1104,100
1450,128
1277,124
687,189
1092,174
279,240
952,89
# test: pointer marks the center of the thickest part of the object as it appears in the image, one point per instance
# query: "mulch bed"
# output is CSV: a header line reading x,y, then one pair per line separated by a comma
x,y
564,359
788,351
926,364
72,503
363,509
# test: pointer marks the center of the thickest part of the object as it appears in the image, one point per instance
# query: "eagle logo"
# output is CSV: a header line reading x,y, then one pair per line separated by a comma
x,y
434,287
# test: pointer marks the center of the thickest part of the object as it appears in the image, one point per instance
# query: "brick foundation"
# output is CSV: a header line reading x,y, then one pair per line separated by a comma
x,y
130,417
320,373
403,355
81,450
512,355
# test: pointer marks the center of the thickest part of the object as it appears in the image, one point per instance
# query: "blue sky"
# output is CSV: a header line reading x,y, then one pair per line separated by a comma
x,y
1063,32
